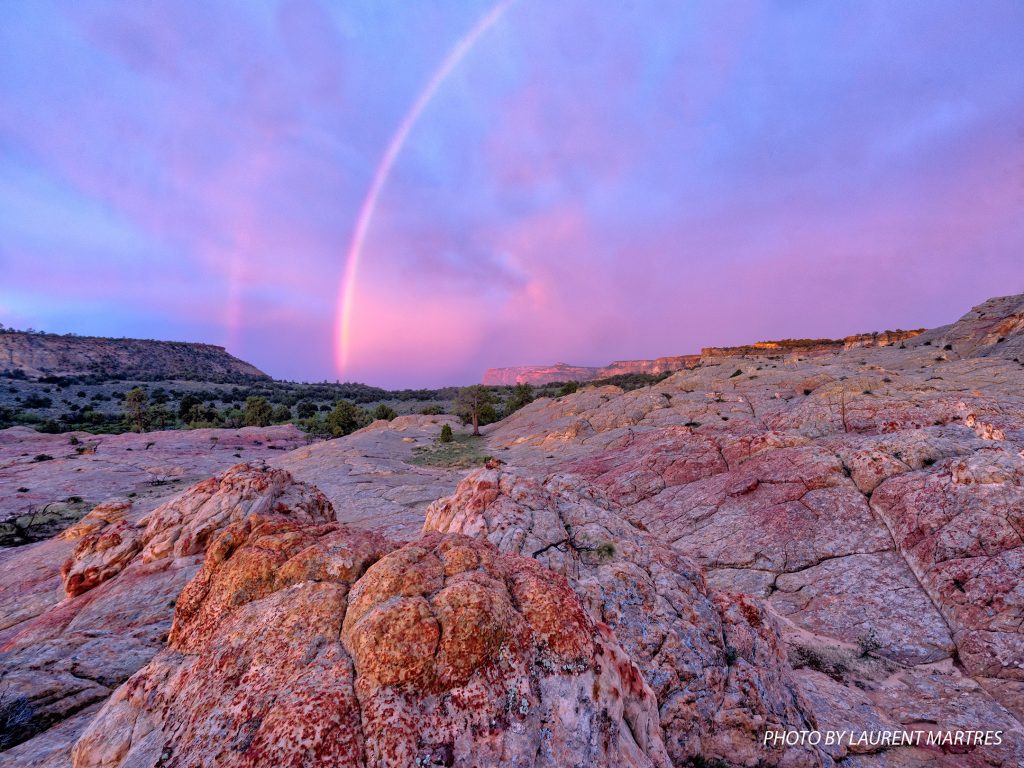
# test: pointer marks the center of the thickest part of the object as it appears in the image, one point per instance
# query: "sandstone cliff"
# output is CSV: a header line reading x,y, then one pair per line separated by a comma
x,y
807,347
37,354
539,374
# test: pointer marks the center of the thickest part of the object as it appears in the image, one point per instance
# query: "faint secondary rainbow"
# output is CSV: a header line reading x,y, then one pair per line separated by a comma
x,y
346,290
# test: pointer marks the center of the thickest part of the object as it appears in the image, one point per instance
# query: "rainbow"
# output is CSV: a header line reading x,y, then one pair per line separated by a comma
x,y
346,289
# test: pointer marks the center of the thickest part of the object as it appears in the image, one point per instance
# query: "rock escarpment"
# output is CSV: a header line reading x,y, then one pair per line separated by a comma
x,y
548,374
806,347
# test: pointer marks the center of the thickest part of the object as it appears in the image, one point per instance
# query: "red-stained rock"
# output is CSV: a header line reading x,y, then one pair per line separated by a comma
x,y
183,526
99,556
715,663
856,512
119,602
103,514
284,652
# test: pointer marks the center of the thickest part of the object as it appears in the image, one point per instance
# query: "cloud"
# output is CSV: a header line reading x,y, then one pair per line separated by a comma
x,y
592,182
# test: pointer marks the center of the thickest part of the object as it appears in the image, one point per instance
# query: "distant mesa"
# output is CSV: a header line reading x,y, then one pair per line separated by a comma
x,y
548,374
37,355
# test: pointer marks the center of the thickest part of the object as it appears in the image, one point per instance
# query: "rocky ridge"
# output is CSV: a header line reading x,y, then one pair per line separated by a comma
x,y
541,374
799,347
43,354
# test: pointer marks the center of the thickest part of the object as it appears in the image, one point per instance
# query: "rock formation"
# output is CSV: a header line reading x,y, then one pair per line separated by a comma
x,y
539,374
46,354
121,583
714,661
868,495
316,645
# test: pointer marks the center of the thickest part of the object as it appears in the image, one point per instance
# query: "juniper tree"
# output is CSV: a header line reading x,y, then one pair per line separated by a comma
x,y
473,405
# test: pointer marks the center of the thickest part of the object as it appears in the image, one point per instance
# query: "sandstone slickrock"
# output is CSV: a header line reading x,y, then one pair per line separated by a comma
x,y
39,498
788,539
369,478
122,581
308,645
870,495
960,525
715,661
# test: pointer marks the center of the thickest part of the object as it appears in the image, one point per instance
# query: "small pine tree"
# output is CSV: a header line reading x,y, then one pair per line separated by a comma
x,y
258,412
446,433
186,405
135,409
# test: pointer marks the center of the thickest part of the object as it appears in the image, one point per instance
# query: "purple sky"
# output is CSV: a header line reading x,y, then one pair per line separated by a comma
x,y
590,181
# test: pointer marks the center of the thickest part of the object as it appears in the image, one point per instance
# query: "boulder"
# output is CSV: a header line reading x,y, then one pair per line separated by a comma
x,y
316,645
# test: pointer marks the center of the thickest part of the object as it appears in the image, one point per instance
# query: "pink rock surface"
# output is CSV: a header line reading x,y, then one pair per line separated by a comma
x,y
959,524
715,661
289,650
97,467
122,581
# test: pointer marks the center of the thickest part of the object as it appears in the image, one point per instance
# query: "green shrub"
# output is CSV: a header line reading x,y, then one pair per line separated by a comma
x,y
346,418
233,418
384,412
568,388
446,433
522,395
